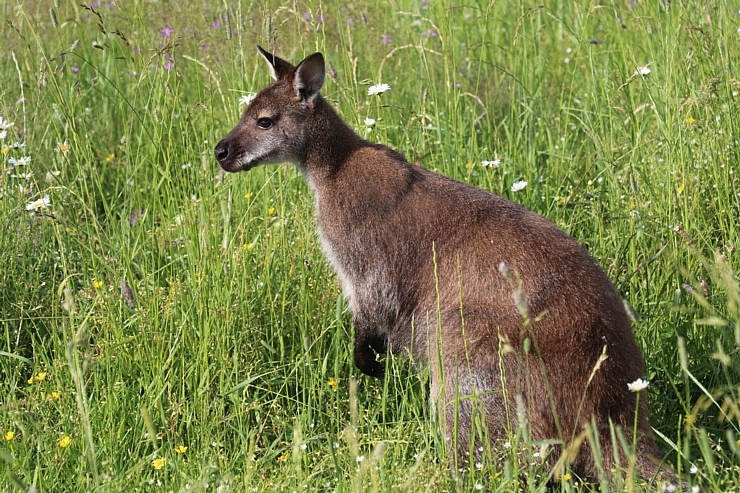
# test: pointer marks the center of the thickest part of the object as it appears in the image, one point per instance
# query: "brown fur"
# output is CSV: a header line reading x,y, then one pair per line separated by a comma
x,y
461,278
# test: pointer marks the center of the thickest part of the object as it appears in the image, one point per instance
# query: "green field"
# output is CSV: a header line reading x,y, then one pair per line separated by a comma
x,y
166,327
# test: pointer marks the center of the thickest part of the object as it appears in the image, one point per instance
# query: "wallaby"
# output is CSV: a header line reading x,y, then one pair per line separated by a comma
x,y
509,312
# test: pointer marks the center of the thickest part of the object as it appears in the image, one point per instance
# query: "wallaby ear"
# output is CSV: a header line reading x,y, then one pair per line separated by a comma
x,y
278,67
309,77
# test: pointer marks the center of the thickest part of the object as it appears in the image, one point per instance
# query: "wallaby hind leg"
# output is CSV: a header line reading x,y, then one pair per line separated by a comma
x,y
471,405
462,412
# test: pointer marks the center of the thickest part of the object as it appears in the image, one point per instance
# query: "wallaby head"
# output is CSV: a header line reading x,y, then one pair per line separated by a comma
x,y
276,126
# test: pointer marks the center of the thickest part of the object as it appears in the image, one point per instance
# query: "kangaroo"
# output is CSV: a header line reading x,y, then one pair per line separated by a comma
x,y
508,311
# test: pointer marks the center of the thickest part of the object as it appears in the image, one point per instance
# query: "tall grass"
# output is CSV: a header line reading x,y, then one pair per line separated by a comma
x,y
166,327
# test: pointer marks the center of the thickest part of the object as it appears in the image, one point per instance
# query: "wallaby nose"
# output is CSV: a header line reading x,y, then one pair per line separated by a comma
x,y
221,151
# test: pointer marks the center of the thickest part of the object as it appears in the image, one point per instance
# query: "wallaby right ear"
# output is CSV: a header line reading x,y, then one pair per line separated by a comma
x,y
278,67
309,77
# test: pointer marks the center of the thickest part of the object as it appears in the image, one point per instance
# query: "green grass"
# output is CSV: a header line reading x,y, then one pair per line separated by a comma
x,y
239,330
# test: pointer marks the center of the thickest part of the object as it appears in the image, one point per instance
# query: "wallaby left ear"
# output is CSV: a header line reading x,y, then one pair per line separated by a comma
x,y
278,67
309,77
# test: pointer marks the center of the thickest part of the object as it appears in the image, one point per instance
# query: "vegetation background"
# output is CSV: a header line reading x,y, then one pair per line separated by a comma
x,y
165,327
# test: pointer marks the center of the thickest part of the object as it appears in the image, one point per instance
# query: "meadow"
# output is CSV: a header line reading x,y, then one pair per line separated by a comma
x,y
167,327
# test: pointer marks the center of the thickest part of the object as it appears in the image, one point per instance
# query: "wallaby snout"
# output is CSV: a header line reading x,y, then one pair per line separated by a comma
x,y
221,151
229,151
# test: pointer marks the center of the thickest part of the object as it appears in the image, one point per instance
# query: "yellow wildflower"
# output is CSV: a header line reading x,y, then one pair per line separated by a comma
x,y
271,210
64,441
5,150
249,246
9,435
689,120
283,457
567,476
55,395
97,284
38,378
248,195
469,165
332,383
158,463
181,449
110,157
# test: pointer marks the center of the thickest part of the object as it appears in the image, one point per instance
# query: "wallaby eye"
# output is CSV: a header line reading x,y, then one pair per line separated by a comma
x,y
264,123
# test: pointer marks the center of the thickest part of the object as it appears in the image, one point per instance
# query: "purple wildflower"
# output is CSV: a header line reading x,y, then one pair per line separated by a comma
x,y
169,64
75,69
386,40
166,32
95,5
307,16
136,215
319,18
215,25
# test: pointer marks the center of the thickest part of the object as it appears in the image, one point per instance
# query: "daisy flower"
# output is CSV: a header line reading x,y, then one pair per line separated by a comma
x,y
63,147
369,122
638,385
5,124
645,70
39,204
491,164
378,89
518,185
22,161
246,99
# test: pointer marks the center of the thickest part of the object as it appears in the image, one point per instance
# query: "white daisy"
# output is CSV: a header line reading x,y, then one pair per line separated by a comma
x,y
39,204
5,124
491,164
638,385
378,89
518,185
369,122
63,147
643,70
23,161
246,99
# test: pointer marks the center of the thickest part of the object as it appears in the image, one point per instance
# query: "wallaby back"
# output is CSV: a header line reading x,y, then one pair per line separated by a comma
x,y
503,306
